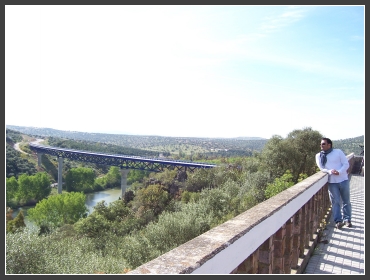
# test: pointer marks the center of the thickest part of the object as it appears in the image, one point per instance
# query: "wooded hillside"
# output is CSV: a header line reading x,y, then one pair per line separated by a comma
x,y
180,146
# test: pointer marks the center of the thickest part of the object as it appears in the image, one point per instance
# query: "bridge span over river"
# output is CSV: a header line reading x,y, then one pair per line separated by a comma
x,y
125,162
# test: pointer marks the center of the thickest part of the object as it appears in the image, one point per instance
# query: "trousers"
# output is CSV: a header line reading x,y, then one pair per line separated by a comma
x,y
339,195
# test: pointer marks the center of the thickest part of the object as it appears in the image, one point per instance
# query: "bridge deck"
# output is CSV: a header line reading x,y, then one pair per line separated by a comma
x,y
345,251
123,161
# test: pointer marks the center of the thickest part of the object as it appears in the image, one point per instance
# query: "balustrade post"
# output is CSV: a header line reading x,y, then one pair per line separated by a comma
x,y
311,215
248,266
320,207
279,250
317,210
326,206
296,221
254,264
326,196
265,257
288,253
304,226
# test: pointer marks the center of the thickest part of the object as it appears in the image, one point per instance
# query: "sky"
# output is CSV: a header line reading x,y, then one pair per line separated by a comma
x,y
186,70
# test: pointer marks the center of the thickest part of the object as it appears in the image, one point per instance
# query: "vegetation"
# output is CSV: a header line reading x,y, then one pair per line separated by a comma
x,y
16,224
80,179
282,183
59,210
84,145
157,214
350,145
295,153
28,252
27,188
17,163
13,136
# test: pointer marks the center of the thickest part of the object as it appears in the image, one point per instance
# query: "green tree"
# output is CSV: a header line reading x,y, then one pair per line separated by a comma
x,y
305,143
57,210
25,188
28,187
113,177
80,179
295,153
110,180
40,185
11,189
136,175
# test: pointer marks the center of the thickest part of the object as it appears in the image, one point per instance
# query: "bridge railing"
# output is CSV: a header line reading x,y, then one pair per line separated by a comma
x,y
276,236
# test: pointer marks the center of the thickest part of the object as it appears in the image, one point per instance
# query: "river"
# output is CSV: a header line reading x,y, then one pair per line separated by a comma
x,y
107,195
92,199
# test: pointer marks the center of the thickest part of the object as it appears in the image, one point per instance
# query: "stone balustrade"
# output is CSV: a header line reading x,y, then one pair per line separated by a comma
x,y
276,236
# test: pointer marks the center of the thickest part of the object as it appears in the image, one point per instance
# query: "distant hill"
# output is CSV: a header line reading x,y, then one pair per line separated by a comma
x,y
243,146
351,145
46,132
250,138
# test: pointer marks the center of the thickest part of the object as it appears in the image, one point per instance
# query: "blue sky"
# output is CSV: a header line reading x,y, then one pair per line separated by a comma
x,y
188,71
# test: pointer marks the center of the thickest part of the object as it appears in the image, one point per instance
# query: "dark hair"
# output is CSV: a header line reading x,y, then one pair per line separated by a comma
x,y
328,141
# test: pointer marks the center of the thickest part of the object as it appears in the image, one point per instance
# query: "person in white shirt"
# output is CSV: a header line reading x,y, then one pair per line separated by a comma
x,y
335,163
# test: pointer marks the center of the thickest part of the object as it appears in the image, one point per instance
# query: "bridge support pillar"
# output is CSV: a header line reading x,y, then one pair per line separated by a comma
x,y
39,155
124,173
60,169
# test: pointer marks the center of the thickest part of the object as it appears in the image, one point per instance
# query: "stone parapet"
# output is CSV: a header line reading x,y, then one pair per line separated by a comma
x,y
276,236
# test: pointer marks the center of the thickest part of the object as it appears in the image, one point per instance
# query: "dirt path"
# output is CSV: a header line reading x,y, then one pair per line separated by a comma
x,y
16,145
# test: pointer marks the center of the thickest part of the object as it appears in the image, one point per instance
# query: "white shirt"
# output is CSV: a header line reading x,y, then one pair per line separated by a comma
x,y
337,160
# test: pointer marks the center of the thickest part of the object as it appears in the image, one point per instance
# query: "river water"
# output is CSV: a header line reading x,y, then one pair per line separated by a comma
x,y
107,195
92,199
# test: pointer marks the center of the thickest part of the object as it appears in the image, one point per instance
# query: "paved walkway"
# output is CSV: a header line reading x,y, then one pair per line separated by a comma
x,y
342,251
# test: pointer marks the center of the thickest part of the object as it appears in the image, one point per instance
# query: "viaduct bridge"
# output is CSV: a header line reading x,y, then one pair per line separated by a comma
x,y
125,162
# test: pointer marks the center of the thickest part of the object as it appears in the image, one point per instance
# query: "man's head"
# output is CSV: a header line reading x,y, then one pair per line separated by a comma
x,y
325,144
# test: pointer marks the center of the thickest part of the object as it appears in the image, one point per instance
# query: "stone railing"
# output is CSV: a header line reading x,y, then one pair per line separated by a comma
x,y
276,236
